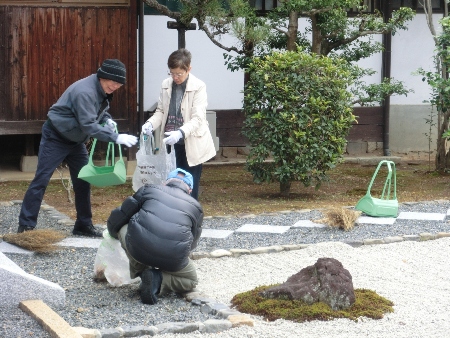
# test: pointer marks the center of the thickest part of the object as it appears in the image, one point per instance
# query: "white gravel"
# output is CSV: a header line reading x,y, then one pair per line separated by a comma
x,y
413,275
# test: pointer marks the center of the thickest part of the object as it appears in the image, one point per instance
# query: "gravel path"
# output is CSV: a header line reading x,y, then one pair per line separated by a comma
x,y
414,275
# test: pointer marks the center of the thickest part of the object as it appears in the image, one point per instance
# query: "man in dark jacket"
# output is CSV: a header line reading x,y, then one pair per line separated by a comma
x,y
81,112
158,227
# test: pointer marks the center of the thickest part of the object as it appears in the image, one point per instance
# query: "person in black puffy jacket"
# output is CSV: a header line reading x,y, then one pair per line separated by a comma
x,y
158,227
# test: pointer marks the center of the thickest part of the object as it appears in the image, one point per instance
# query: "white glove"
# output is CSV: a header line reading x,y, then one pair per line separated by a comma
x,y
172,137
126,140
147,128
111,124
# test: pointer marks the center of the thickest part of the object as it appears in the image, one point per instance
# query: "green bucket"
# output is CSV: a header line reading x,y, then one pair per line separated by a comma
x,y
387,205
112,173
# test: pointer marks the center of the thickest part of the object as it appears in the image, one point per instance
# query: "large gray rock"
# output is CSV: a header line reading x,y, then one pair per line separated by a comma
x,y
326,281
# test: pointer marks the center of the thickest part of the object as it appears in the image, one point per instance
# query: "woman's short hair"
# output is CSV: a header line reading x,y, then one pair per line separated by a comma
x,y
181,58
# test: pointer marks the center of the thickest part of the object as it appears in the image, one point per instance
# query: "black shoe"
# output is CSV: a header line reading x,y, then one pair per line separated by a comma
x,y
86,230
23,228
150,285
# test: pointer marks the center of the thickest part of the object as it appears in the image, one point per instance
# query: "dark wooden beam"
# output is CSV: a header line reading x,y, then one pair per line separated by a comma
x,y
20,127
35,127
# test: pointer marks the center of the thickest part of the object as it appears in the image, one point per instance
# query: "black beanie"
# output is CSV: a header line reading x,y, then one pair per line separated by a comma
x,y
112,69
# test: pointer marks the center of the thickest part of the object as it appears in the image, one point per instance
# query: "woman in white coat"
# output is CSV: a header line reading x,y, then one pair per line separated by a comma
x,y
181,113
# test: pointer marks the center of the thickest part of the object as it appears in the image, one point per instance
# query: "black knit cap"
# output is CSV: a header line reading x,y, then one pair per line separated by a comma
x,y
112,69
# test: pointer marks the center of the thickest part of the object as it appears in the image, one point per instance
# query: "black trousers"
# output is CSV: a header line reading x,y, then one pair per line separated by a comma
x,y
182,163
53,150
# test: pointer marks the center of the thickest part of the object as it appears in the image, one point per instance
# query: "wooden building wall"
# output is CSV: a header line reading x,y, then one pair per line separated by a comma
x,y
368,128
45,49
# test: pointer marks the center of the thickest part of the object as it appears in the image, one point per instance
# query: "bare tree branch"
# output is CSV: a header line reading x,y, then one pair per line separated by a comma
x,y
279,30
202,26
68,186
316,11
426,4
163,9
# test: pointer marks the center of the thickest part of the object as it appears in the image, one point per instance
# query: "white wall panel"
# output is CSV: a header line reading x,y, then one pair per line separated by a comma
x,y
223,86
412,49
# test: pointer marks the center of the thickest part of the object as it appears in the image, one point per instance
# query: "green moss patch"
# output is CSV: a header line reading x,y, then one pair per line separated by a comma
x,y
368,304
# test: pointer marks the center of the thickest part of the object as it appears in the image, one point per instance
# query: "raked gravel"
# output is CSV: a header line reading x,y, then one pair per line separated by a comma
x,y
414,275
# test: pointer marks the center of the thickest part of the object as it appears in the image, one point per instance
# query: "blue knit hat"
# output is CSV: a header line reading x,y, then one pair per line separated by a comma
x,y
188,179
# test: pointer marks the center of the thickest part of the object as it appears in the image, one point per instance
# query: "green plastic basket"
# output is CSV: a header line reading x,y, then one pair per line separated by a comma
x,y
387,205
112,173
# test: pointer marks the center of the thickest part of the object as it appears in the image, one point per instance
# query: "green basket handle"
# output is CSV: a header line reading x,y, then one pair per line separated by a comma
x,y
109,149
388,182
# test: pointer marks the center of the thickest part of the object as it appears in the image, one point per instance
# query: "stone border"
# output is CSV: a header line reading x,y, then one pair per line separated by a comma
x,y
58,327
230,317
425,236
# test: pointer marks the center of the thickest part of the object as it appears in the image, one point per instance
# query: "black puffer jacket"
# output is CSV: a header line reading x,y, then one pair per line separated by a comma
x,y
164,225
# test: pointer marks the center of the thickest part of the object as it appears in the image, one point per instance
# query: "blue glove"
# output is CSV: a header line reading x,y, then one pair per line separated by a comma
x,y
111,124
172,137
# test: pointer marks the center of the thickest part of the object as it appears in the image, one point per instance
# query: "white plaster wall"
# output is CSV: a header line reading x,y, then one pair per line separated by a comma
x,y
412,49
224,87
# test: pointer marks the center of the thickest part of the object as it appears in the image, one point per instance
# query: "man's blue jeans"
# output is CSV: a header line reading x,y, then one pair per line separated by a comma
x,y
182,163
53,150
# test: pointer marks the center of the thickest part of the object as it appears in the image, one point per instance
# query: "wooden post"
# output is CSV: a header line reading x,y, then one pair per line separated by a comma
x,y
30,145
181,31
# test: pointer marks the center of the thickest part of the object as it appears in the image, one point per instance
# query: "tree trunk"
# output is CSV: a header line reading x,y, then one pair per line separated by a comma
x,y
292,31
441,151
316,46
285,188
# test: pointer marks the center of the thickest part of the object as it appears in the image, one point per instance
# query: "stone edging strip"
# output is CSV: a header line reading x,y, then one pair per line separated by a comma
x,y
425,236
59,328
48,319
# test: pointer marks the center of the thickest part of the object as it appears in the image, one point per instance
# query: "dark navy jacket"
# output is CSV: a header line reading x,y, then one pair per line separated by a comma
x,y
164,225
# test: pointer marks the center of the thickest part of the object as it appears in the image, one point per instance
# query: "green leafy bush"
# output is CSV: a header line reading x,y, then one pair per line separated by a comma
x,y
298,113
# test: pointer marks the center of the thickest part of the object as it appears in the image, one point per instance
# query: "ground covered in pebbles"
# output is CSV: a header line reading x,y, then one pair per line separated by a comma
x,y
414,275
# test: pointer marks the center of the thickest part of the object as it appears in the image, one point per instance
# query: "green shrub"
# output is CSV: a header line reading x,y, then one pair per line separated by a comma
x,y
298,113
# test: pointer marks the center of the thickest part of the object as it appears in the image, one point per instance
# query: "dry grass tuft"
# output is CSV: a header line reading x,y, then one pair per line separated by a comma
x,y
341,218
41,240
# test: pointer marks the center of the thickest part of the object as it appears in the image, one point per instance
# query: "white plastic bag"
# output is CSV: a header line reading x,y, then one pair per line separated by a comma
x,y
152,165
111,262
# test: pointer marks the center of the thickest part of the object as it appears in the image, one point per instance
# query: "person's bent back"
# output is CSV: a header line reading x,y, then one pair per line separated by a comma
x,y
158,227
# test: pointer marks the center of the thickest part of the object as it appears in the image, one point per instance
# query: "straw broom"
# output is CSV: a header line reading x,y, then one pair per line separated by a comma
x,y
41,240
341,218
